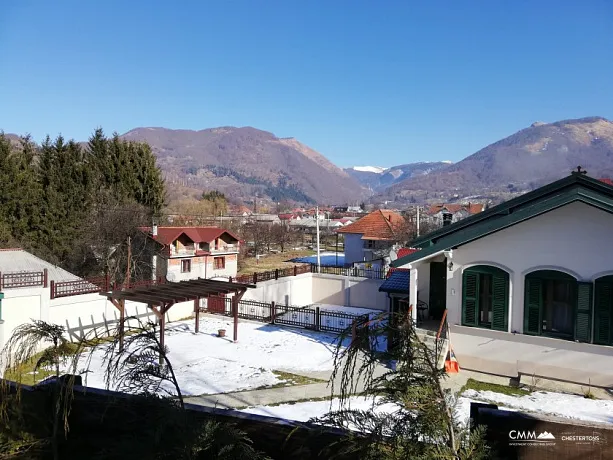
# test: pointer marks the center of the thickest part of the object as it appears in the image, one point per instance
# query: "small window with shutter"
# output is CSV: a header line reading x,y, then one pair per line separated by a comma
x,y
485,297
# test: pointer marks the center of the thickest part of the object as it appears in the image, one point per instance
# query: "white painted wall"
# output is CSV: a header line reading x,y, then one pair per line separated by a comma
x,y
310,288
575,238
291,290
202,267
80,314
354,248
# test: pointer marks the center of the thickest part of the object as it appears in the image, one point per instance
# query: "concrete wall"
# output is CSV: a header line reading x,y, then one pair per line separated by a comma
x,y
575,239
354,248
79,314
291,290
311,288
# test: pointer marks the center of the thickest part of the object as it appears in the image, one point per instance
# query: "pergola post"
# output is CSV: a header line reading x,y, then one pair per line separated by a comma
x,y
235,314
122,319
162,331
197,315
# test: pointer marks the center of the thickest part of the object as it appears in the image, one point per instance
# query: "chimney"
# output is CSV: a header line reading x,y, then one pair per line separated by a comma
x,y
154,230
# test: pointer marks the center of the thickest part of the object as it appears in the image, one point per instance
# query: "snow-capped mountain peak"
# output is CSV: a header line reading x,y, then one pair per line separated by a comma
x,y
372,169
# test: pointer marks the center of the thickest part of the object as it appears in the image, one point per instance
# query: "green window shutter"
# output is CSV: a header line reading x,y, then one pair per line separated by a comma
x,y
583,321
603,303
470,301
533,306
500,301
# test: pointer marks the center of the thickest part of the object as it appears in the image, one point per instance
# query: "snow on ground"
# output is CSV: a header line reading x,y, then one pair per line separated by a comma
x,y
207,364
556,404
304,411
546,403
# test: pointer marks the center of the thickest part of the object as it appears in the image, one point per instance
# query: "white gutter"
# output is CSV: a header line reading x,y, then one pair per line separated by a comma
x,y
410,265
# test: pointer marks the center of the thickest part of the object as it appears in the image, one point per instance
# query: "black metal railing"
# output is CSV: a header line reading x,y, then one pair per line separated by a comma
x,y
308,317
372,273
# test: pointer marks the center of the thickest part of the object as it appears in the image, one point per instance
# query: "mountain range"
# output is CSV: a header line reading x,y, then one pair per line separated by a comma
x,y
247,163
523,161
378,179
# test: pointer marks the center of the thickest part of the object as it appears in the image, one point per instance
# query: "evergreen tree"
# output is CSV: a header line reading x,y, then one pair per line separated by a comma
x,y
424,425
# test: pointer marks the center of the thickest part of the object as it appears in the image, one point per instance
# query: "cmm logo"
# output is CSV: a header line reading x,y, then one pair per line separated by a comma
x,y
517,435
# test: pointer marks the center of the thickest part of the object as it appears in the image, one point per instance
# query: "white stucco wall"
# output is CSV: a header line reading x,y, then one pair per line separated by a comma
x,y
311,288
354,248
291,290
80,314
203,267
575,238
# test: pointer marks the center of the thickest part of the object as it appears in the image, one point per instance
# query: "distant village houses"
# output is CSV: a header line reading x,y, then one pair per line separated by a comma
x,y
444,214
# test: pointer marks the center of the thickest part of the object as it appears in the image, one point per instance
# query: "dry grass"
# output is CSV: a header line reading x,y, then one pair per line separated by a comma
x,y
271,261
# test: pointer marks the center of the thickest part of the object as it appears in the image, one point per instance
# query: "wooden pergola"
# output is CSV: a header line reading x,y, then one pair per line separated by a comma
x,y
160,298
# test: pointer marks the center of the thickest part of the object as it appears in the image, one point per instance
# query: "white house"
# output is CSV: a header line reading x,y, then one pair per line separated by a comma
x,y
527,285
186,253
370,238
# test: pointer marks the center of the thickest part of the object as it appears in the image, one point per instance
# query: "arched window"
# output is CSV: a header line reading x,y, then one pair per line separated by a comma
x,y
557,305
603,310
485,297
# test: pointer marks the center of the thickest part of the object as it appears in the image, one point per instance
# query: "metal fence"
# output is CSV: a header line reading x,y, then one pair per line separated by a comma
x,y
23,279
372,273
309,317
93,285
70,288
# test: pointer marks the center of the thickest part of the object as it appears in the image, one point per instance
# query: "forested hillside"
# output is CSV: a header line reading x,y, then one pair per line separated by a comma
x,y
75,204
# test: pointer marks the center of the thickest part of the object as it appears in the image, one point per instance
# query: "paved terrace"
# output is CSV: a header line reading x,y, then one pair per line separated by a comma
x,y
518,355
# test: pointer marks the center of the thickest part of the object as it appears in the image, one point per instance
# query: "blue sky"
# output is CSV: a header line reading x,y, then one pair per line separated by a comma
x,y
363,82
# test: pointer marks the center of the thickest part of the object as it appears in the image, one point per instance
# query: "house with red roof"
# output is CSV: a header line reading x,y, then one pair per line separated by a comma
x,y
186,253
371,238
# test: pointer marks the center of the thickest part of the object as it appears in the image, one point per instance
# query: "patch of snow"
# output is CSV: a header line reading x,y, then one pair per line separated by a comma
x,y
372,169
448,162
207,364
304,411
556,404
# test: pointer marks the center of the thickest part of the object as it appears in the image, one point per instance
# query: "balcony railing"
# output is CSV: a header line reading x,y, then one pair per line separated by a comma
x,y
226,248
182,252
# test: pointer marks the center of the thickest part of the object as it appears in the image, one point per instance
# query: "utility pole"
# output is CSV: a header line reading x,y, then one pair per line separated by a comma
x,y
317,227
127,281
418,221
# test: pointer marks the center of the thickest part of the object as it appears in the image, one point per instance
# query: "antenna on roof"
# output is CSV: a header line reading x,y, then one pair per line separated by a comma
x,y
579,170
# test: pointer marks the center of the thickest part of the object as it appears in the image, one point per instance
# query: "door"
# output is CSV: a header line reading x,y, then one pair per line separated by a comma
x,y
438,289
217,304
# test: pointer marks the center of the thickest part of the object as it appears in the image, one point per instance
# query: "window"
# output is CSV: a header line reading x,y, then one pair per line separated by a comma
x,y
557,305
219,263
485,297
186,266
603,311
370,244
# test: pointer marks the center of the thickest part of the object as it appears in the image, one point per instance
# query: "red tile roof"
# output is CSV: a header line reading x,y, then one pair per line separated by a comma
x,y
166,235
403,252
607,181
378,225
